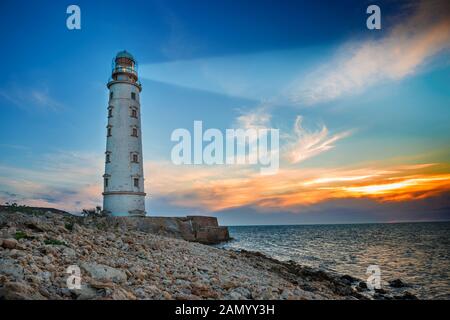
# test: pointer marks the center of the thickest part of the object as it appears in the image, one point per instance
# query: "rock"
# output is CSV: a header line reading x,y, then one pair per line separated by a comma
x,y
101,285
347,279
406,296
122,294
167,295
77,228
9,243
204,291
182,296
286,294
229,285
136,272
86,292
234,295
11,268
36,225
46,260
69,253
205,268
243,292
103,272
19,291
33,280
152,267
380,291
65,292
44,292
397,283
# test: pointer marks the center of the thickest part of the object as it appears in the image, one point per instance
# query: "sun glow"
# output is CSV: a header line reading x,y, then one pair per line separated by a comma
x,y
218,189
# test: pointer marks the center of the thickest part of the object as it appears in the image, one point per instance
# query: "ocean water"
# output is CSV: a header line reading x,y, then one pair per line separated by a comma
x,y
416,253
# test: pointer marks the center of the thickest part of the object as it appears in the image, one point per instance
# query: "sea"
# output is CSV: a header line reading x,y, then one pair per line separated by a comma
x,y
416,253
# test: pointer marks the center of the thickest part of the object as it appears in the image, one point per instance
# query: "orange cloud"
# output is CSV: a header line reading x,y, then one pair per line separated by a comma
x,y
214,188
77,184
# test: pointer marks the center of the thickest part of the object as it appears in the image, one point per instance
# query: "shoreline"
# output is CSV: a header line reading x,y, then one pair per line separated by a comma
x,y
120,263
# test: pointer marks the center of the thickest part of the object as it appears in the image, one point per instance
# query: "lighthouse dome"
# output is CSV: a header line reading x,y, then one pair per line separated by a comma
x,y
125,54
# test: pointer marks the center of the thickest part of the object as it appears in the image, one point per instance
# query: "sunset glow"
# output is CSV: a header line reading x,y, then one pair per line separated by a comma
x,y
218,190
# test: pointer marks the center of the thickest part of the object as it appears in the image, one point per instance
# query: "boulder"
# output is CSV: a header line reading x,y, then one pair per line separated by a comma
x,y
347,279
9,243
397,283
103,272
362,285
86,292
11,268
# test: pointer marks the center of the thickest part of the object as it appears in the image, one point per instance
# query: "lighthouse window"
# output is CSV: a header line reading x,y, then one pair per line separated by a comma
x,y
133,112
111,94
108,157
136,182
134,158
109,131
134,133
110,112
133,95
106,182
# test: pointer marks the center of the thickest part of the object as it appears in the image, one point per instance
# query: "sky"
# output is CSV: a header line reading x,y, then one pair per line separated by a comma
x,y
363,114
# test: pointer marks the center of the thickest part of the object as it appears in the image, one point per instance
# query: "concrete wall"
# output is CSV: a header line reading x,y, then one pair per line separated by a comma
x,y
192,228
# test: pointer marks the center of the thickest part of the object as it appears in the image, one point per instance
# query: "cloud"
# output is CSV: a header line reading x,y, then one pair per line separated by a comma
x,y
307,144
291,189
64,180
31,98
361,64
72,181
298,145
256,76
257,118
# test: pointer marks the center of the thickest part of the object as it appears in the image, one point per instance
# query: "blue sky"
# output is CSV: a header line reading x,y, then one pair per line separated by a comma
x,y
366,101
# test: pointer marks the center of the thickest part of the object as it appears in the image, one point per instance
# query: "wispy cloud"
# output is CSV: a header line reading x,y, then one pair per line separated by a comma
x,y
37,98
361,64
299,144
306,144
256,118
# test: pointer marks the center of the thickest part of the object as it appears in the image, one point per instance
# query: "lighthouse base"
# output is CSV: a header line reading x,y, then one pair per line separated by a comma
x,y
124,204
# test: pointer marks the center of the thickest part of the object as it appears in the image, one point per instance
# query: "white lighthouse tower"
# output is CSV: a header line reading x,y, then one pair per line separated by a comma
x,y
124,174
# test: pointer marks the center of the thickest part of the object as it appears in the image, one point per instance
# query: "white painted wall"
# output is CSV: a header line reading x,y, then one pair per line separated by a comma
x,y
121,197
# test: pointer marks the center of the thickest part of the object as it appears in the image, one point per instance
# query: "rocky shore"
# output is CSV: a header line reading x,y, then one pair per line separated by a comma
x,y
117,262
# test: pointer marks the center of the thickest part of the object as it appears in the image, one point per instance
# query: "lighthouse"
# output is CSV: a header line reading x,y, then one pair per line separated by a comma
x,y
123,193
